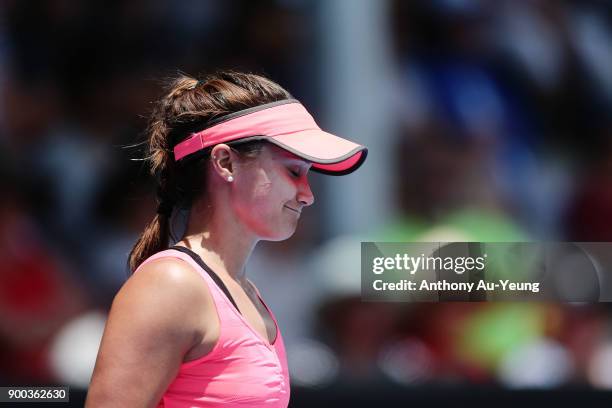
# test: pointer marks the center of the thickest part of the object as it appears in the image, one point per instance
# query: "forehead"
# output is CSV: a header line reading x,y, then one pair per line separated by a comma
x,y
277,153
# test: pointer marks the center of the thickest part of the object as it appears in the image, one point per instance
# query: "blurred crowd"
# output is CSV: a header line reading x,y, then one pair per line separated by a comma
x,y
503,132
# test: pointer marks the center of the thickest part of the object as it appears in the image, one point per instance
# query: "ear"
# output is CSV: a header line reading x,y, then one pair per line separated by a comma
x,y
223,161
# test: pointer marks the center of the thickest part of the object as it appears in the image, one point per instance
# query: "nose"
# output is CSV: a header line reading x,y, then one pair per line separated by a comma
x,y
304,194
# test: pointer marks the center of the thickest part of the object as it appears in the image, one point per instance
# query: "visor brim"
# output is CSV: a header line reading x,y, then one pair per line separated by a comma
x,y
328,153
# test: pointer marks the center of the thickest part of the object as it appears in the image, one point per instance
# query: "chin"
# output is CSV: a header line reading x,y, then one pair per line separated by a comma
x,y
275,227
280,235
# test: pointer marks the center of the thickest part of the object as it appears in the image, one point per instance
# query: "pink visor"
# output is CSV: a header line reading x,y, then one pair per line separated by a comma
x,y
286,124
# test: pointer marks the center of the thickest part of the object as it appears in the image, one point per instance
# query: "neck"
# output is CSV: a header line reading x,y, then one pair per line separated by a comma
x,y
220,241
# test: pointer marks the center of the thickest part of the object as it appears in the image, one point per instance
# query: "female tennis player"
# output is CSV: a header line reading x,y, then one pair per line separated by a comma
x,y
188,329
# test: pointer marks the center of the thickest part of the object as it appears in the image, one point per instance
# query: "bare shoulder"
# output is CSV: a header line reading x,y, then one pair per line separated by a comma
x,y
155,321
168,275
165,271
166,286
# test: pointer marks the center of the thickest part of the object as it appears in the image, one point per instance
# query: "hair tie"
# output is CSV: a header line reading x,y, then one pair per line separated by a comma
x,y
198,83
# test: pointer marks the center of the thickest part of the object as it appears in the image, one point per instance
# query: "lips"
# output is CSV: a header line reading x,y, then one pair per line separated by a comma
x,y
293,209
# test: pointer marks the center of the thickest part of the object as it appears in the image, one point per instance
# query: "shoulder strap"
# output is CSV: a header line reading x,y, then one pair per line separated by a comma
x,y
210,272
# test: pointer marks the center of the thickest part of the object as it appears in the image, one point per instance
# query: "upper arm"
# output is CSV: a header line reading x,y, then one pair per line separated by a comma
x,y
152,324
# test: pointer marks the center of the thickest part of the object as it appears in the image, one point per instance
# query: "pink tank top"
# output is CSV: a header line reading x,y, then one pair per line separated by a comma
x,y
242,370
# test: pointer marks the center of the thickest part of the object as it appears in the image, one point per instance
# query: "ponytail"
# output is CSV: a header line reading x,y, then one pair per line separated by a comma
x,y
155,237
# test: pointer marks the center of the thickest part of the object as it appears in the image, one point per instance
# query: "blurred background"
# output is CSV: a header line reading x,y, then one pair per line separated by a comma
x,y
485,121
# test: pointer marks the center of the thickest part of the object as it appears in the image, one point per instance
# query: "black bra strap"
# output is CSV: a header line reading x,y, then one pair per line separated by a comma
x,y
210,272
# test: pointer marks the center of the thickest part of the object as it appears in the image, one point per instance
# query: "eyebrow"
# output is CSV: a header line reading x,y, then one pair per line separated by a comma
x,y
295,159
300,162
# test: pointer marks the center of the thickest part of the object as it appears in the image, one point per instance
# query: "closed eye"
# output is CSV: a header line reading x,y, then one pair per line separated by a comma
x,y
294,173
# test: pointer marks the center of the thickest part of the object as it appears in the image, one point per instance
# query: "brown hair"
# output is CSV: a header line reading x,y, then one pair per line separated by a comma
x,y
186,107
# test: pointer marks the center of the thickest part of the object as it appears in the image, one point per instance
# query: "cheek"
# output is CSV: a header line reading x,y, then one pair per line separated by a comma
x,y
259,204
269,191
252,197
262,190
